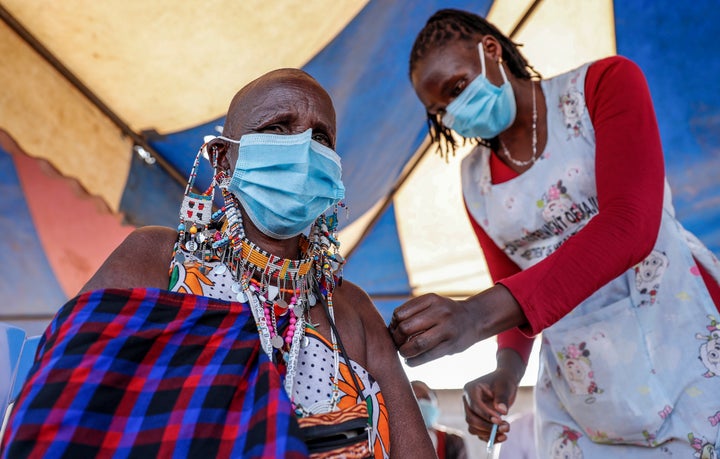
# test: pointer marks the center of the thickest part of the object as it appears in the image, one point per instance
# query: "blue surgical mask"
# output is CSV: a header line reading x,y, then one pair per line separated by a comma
x,y
430,412
285,182
482,109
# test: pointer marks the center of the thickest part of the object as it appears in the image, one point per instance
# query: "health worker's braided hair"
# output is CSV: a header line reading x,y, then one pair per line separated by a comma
x,y
449,25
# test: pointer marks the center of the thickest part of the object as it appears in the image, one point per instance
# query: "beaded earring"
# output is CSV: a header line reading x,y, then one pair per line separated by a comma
x,y
196,214
327,270
324,248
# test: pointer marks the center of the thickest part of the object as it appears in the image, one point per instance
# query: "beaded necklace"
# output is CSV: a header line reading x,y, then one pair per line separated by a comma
x,y
533,158
263,280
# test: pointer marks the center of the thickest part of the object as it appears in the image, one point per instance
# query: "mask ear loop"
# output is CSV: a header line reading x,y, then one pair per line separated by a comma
x,y
502,70
228,139
481,51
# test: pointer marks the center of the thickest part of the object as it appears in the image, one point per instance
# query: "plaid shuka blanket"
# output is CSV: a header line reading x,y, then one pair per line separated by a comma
x,y
148,373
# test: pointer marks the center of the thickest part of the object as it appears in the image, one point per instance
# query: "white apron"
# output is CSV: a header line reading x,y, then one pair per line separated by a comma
x,y
634,370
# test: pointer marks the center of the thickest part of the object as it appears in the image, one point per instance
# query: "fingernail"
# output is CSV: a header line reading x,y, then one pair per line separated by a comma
x,y
502,407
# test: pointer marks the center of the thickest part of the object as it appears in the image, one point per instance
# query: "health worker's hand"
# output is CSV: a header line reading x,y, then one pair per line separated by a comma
x,y
486,400
489,397
432,326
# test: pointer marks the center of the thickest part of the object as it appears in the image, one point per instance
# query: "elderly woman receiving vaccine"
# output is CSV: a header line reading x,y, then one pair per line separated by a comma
x,y
227,336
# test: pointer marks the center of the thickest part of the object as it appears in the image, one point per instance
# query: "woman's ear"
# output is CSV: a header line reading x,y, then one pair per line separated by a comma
x,y
220,148
492,47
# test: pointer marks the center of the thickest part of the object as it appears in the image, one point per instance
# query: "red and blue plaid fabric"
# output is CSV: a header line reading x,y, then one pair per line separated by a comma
x,y
148,373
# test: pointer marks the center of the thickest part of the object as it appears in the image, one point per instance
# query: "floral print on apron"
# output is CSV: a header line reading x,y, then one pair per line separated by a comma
x,y
634,370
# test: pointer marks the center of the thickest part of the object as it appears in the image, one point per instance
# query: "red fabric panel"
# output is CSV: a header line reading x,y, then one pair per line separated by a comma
x,y
77,230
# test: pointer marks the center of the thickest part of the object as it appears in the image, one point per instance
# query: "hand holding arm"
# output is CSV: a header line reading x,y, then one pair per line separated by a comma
x,y
431,326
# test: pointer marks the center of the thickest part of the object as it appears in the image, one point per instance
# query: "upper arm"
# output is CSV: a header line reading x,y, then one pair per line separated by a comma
x,y
408,434
141,260
629,160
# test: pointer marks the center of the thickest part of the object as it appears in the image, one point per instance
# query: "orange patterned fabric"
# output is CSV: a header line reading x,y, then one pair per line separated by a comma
x,y
356,412
353,412
187,278
371,394
349,452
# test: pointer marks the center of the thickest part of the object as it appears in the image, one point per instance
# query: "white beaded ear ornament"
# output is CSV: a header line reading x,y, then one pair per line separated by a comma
x,y
196,214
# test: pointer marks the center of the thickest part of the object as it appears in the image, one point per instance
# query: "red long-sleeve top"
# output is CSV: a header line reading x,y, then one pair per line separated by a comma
x,y
630,178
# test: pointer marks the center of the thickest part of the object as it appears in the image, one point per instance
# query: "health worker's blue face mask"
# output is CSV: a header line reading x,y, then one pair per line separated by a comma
x,y
482,109
285,182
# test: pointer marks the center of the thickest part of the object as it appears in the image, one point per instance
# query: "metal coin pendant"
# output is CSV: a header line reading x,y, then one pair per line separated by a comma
x,y
191,246
312,300
236,287
220,269
241,297
298,310
277,342
305,342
